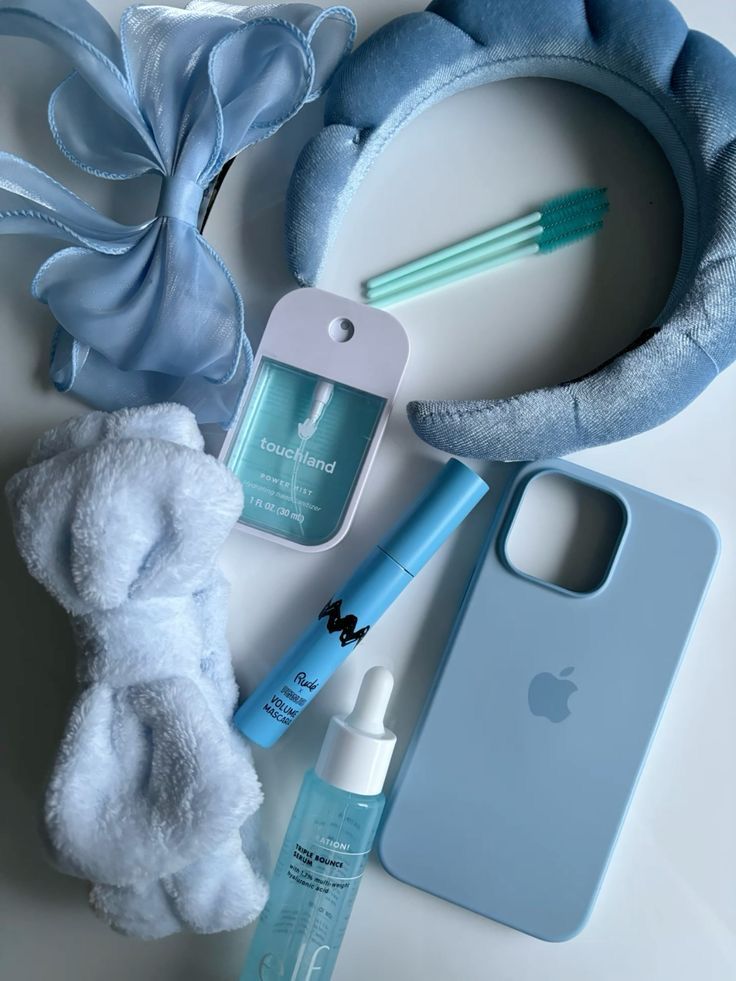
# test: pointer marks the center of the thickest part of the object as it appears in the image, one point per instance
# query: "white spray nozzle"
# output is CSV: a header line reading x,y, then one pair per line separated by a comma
x,y
320,400
372,701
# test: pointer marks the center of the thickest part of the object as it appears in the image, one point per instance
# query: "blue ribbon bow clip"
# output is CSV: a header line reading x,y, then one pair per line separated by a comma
x,y
149,312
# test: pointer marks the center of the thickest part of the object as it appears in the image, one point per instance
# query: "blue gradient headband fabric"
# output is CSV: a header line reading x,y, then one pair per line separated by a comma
x,y
150,313
680,84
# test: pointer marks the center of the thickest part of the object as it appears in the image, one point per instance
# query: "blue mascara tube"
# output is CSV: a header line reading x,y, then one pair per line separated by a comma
x,y
350,613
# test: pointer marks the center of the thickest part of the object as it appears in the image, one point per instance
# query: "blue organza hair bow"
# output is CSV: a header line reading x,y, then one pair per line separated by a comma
x,y
150,312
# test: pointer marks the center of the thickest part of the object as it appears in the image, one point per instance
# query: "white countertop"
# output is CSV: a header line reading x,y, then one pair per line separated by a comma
x,y
667,910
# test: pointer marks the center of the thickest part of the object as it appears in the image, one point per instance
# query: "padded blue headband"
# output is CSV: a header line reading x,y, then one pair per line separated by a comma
x,y
680,84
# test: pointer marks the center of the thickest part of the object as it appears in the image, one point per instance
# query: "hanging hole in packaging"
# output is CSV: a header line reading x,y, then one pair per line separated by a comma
x,y
313,416
341,329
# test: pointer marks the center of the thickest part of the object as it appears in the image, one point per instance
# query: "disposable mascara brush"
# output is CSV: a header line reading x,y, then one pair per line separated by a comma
x,y
558,225
555,209
556,239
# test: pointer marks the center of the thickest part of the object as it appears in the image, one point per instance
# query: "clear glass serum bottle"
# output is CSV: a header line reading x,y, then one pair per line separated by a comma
x,y
327,845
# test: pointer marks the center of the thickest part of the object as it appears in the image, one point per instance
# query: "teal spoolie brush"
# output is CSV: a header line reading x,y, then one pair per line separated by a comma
x,y
554,238
556,226
577,200
556,223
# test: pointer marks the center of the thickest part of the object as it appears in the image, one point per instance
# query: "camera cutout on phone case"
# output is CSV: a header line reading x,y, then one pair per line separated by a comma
x,y
564,533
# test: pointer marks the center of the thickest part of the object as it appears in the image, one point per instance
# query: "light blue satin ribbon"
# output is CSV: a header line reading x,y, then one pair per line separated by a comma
x,y
150,312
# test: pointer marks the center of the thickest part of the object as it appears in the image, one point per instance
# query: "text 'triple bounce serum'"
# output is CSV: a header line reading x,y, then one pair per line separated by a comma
x,y
327,844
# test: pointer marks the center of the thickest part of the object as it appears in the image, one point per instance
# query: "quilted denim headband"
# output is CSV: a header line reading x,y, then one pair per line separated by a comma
x,y
150,312
680,84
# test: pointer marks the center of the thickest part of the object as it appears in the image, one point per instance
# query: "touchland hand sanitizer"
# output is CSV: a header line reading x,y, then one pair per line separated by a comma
x,y
327,845
321,390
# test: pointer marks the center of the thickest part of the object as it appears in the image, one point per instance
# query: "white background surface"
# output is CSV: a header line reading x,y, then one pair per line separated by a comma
x,y
668,906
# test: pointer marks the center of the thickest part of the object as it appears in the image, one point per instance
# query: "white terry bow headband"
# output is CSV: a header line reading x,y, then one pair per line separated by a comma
x,y
121,516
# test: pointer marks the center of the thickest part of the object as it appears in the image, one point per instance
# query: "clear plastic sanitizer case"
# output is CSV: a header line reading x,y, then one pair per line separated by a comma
x,y
321,391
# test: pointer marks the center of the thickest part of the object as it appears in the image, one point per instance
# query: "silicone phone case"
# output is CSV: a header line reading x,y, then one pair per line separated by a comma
x,y
513,814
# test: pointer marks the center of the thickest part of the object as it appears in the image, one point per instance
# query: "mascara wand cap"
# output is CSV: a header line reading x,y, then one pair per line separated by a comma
x,y
357,749
445,503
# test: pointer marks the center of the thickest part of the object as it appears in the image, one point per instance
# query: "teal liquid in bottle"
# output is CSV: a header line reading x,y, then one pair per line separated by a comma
x,y
299,451
327,845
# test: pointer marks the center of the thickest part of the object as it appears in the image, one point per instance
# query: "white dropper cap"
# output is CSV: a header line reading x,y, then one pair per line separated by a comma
x,y
357,749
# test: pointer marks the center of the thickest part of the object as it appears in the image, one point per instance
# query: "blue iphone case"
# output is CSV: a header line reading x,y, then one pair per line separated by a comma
x,y
513,814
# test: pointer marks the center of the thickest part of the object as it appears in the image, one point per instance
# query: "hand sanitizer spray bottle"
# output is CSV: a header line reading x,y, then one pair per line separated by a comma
x,y
327,845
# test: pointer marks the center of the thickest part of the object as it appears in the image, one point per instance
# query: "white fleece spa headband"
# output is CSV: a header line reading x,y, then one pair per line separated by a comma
x,y
680,84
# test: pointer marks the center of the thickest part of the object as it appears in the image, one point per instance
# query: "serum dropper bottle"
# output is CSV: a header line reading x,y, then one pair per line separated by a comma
x,y
327,844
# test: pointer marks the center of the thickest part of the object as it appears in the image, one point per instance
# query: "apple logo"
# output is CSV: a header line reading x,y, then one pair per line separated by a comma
x,y
548,695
